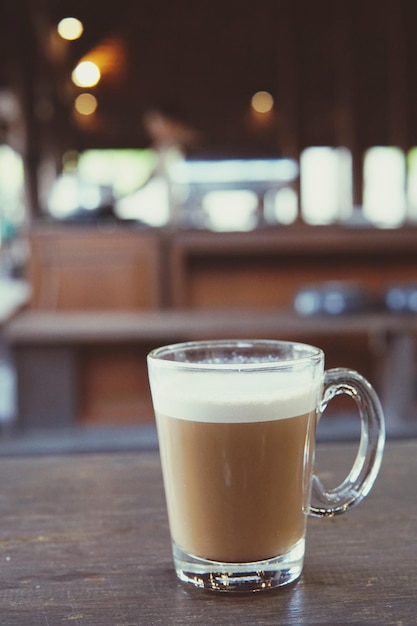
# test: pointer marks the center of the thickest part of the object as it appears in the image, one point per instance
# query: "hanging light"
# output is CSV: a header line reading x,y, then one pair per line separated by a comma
x,y
70,28
262,102
85,104
86,74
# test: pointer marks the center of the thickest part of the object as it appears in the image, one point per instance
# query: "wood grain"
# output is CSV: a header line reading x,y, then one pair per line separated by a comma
x,y
84,540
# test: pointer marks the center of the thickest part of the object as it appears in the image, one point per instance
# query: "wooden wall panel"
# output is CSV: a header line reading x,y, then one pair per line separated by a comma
x,y
95,269
266,268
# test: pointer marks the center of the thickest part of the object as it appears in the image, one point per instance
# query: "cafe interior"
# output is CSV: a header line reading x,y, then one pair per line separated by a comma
x,y
172,171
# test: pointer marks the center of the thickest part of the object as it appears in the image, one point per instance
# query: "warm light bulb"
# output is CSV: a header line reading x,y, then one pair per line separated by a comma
x,y
86,74
85,104
262,102
70,28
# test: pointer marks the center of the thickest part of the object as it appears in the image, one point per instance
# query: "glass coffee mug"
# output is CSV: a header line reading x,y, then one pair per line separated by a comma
x,y
236,427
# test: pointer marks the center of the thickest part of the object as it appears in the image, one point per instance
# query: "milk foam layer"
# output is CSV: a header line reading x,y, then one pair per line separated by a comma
x,y
233,396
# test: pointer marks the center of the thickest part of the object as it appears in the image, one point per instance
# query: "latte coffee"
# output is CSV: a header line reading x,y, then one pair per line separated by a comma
x,y
236,424
236,457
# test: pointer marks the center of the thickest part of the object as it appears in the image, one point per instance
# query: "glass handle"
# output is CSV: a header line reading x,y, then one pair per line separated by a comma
x,y
372,440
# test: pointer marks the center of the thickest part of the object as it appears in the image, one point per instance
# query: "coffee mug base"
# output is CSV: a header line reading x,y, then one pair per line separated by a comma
x,y
240,577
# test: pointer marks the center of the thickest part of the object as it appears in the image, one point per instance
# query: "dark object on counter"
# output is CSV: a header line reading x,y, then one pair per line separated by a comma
x,y
401,298
331,298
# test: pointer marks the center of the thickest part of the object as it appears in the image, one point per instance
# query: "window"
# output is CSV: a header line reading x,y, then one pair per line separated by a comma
x,y
412,184
384,186
326,185
233,209
96,178
12,210
281,206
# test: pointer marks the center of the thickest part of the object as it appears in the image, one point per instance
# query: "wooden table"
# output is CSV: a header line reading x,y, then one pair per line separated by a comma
x,y
84,541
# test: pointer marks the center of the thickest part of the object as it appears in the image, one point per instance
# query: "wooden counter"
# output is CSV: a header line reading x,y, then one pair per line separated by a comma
x,y
84,540
56,354
104,295
121,268
266,268
103,267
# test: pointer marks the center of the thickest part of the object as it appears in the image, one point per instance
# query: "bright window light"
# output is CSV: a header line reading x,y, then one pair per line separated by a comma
x,y
124,170
326,185
281,206
12,210
230,210
412,184
69,194
149,204
64,196
384,197
236,170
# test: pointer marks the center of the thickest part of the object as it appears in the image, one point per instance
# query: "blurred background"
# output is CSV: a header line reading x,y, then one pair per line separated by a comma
x,y
182,170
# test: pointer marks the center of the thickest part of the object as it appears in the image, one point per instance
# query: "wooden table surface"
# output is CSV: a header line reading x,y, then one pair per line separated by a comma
x,y
84,541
